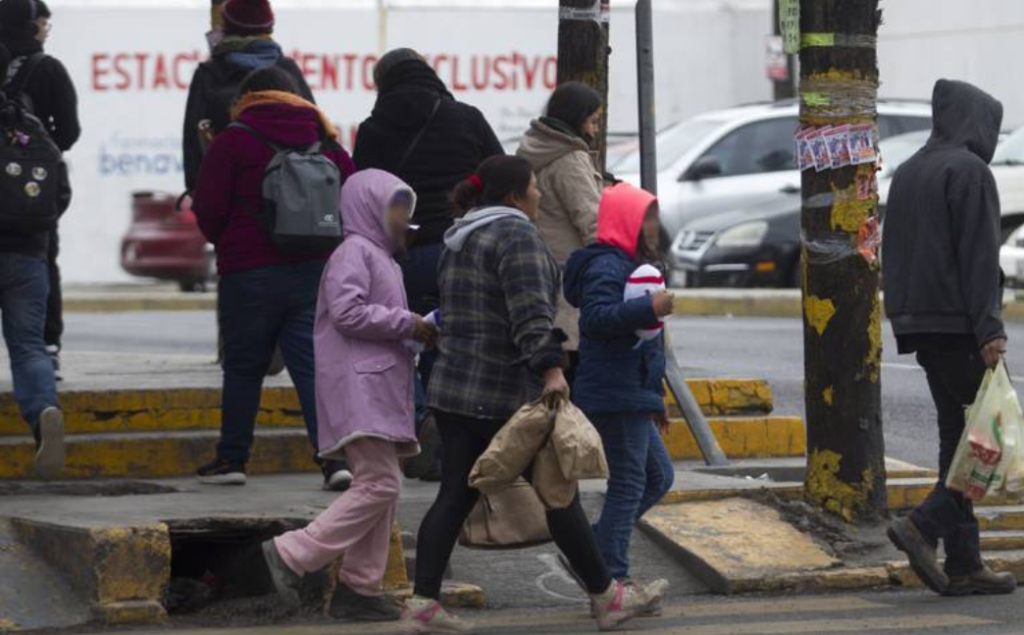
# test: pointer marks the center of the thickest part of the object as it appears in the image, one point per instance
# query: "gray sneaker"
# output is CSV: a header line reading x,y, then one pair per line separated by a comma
x,y
921,554
49,463
349,605
285,580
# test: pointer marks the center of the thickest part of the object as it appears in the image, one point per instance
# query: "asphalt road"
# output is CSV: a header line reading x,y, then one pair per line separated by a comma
x,y
709,347
864,614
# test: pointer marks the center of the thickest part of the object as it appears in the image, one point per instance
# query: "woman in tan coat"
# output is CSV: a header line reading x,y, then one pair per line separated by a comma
x,y
559,146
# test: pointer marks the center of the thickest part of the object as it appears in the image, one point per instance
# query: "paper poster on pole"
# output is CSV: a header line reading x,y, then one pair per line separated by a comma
x,y
789,25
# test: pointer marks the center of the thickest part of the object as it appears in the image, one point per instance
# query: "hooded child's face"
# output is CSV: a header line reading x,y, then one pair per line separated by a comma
x,y
650,233
396,219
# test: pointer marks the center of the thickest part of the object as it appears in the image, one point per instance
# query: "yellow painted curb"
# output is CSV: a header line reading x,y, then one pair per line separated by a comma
x,y
156,410
454,595
753,306
1000,518
91,412
158,455
742,438
138,304
123,571
726,397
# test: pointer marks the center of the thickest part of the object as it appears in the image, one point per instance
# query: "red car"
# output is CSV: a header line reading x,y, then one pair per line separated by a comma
x,y
164,242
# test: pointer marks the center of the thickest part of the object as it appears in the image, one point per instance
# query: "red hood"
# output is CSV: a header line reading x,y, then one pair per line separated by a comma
x,y
621,216
284,124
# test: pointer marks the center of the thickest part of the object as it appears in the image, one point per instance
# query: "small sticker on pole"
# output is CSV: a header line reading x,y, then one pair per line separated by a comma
x,y
789,25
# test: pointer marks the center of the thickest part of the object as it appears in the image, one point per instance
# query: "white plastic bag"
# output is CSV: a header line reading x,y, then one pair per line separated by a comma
x,y
990,457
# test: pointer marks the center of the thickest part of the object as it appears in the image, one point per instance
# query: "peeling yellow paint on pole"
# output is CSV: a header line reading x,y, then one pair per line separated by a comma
x,y
873,360
849,214
819,312
824,487
827,395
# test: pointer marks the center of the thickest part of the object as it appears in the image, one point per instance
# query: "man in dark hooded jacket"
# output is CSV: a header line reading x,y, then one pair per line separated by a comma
x,y
943,296
420,133
246,46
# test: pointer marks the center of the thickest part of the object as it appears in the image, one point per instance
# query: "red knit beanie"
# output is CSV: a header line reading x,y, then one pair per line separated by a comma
x,y
248,17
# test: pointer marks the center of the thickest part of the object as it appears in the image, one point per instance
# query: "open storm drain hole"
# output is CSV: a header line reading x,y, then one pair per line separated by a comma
x,y
84,488
220,559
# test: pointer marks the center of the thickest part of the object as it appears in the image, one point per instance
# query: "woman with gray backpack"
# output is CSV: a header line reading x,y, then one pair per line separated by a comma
x,y
267,197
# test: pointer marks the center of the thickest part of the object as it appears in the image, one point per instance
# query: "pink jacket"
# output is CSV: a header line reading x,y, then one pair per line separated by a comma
x,y
364,373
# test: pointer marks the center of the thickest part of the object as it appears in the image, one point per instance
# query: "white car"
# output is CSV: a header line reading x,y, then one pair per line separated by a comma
x,y
730,158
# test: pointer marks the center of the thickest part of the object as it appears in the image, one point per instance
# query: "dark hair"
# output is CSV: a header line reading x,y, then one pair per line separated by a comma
x,y
573,103
269,78
494,180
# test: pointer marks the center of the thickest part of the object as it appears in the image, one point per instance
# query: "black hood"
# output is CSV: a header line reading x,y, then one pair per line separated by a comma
x,y
408,94
965,116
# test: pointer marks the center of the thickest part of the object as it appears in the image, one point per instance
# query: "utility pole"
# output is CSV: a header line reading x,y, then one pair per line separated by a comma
x,y
216,14
842,313
583,53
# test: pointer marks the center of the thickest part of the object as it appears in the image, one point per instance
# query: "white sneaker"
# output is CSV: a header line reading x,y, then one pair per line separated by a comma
x,y
422,616
619,604
49,463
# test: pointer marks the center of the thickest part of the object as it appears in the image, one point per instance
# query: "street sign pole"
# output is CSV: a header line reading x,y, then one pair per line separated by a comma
x,y
706,441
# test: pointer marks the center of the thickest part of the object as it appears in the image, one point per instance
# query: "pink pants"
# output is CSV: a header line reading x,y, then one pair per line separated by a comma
x,y
357,524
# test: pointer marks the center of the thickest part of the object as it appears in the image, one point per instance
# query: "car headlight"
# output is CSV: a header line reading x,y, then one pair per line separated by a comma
x,y
743,235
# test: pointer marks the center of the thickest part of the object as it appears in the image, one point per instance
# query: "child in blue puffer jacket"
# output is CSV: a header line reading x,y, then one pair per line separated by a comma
x,y
619,381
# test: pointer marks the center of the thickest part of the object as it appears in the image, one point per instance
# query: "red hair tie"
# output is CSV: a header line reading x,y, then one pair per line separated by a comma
x,y
476,181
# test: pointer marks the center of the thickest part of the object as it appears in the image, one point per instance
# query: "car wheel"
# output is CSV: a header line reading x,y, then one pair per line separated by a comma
x,y
192,286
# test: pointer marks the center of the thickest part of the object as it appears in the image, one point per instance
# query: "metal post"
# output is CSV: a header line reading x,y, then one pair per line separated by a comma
x,y
709,447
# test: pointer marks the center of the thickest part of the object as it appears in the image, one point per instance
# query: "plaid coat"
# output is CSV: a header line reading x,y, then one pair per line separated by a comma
x,y
499,295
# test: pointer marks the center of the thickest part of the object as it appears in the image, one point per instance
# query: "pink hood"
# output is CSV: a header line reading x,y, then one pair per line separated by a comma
x,y
364,203
621,216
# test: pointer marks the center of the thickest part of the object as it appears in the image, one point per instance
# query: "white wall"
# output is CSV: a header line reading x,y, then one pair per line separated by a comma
x,y
132,61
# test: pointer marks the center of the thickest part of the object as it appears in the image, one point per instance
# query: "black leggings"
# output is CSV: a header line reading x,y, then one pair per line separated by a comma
x,y
463,440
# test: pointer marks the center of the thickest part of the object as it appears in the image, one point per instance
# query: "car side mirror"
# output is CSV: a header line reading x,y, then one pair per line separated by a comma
x,y
704,168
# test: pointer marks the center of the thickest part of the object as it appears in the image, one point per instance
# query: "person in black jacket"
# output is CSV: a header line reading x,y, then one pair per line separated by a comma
x,y
246,46
45,85
24,286
943,296
420,133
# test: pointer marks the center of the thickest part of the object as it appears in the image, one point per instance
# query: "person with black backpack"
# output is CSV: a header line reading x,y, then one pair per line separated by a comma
x,y
247,45
42,84
268,197
34,192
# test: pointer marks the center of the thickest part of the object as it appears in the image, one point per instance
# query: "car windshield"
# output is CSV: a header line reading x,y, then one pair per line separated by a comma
x,y
1011,151
673,143
896,150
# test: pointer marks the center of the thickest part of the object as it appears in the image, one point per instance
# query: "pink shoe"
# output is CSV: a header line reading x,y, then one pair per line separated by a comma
x,y
422,616
619,604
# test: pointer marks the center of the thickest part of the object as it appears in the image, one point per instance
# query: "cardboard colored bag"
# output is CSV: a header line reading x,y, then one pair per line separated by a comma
x,y
513,518
990,457
577,444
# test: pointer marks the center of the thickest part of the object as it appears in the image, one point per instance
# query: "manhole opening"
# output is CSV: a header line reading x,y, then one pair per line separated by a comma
x,y
220,559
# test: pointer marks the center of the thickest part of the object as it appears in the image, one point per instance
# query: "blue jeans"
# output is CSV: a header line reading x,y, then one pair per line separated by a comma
x,y
260,309
641,473
24,288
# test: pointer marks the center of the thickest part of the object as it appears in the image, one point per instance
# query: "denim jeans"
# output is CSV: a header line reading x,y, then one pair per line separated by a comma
x,y
641,473
24,287
53,335
260,309
955,369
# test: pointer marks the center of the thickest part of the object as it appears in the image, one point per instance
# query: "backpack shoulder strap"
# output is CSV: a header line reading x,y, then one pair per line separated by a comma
x,y
24,75
419,136
256,134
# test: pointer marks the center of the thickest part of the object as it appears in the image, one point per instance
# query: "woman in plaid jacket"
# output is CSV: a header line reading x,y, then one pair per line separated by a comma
x,y
499,350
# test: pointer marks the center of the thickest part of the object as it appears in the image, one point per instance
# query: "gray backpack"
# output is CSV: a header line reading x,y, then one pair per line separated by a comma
x,y
300,209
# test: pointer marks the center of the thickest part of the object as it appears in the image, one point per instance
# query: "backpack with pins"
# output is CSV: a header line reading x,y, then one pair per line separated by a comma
x,y
34,188
300,209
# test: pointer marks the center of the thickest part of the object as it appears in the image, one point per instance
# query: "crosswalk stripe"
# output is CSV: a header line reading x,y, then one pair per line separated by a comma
x,y
820,626
577,616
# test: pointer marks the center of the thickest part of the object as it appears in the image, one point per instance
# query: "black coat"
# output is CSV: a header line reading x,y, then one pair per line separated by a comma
x,y
53,95
211,95
940,255
456,142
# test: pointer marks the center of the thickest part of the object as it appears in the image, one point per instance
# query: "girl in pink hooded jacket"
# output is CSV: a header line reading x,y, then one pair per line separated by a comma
x,y
364,390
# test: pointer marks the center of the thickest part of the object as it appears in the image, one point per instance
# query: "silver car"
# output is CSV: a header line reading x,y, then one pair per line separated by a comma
x,y
732,158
